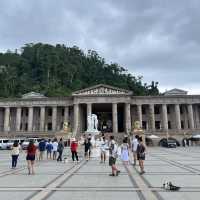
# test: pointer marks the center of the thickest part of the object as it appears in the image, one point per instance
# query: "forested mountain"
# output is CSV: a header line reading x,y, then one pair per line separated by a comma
x,y
59,70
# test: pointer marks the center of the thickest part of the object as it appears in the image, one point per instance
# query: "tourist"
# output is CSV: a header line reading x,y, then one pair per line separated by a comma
x,y
125,151
42,148
31,151
49,148
15,153
103,148
55,148
134,145
60,149
141,155
88,146
74,147
113,156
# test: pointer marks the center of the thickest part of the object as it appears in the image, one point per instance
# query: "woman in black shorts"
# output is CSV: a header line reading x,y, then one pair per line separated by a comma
x,y
31,151
141,155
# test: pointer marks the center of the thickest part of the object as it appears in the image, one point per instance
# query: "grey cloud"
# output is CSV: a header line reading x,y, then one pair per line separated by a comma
x,y
157,39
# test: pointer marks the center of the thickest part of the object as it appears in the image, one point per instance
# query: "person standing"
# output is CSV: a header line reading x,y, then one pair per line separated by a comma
x,y
15,153
55,148
42,148
31,151
134,145
49,148
88,146
125,151
103,148
113,156
141,155
74,147
60,149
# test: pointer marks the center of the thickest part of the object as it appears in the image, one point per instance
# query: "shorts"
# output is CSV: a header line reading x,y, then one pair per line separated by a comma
x,y
141,156
30,157
112,161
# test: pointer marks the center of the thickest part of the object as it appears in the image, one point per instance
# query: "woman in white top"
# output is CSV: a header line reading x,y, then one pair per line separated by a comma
x,y
125,151
103,147
15,153
55,148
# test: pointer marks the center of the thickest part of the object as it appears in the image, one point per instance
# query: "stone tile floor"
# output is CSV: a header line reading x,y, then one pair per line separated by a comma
x,y
90,180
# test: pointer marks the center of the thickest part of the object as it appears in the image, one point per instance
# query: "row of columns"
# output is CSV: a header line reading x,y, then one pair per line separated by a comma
x,y
164,119
165,116
30,118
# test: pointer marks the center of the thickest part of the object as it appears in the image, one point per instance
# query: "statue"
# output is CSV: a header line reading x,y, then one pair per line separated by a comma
x,y
137,125
95,122
65,126
92,124
89,123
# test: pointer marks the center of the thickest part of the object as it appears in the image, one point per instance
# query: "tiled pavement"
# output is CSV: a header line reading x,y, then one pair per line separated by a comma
x,y
90,180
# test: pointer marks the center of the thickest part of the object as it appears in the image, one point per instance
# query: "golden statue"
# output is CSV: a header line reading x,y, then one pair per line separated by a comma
x,y
138,130
65,126
137,127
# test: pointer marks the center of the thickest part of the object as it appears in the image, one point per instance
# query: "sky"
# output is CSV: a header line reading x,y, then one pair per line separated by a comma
x,y
156,39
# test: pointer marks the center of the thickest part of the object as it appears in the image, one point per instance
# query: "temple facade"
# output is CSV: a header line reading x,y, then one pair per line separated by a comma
x,y
174,113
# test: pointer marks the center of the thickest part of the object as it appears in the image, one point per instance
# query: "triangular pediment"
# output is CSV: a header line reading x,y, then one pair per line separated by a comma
x,y
102,89
175,91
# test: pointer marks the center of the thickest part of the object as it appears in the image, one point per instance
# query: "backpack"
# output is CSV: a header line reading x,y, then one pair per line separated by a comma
x,y
60,146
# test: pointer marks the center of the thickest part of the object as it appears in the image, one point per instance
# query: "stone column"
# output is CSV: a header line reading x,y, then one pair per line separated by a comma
x,y
54,118
178,116
152,117
197,116
185,117
127,117
164,117
190,116
18,118
89,109
7,119
42,118
30,119
76,119
114,118
139,114
66,114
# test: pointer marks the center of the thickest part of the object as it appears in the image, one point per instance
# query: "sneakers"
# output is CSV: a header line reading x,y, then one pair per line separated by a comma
x,y
118,172
111,175
142,172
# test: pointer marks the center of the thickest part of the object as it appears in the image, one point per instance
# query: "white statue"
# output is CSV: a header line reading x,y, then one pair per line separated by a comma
x,y
92,123
95,122
89,123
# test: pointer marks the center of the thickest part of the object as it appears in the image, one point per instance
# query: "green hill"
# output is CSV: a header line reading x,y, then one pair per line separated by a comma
x,y
59,70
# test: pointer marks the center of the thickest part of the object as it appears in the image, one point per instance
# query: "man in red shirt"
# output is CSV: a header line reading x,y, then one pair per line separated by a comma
x,y
74,147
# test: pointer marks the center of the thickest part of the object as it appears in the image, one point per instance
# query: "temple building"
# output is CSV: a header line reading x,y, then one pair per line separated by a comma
x,y
117,109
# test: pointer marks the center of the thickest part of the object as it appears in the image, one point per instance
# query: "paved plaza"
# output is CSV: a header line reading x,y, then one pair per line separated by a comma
x,y
90,180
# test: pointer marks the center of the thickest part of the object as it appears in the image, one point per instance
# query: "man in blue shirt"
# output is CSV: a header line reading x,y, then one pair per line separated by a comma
x,y
42,148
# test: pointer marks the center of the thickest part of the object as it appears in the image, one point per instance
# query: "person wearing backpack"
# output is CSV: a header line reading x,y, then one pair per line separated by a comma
x,y
141,155
113,156
60,149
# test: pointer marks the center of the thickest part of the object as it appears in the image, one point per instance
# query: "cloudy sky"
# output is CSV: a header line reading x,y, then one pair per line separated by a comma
x,y
158,39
